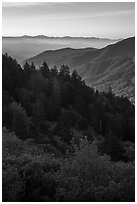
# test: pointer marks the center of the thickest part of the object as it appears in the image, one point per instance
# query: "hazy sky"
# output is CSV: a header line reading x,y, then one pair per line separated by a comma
x,y
110,20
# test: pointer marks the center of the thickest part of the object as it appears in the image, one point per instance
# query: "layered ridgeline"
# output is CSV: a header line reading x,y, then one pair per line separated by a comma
x,y
110,66
25,47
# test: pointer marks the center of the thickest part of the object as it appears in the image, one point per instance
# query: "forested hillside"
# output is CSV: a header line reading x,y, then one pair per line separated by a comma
x,y
113,65
63,140
23,47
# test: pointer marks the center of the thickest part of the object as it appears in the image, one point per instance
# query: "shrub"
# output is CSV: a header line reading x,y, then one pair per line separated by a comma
x,y
87,176
28,172
83,175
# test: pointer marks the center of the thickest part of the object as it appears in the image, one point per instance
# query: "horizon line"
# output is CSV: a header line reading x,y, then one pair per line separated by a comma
x,y
65,36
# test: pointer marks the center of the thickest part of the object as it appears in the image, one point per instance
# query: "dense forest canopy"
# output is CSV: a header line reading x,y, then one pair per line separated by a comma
x,y
57,111
51,95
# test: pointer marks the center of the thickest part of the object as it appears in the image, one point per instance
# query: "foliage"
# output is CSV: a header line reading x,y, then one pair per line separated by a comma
x,y
27,170
45,92
53,117
87,176
32,175
112,146
20,121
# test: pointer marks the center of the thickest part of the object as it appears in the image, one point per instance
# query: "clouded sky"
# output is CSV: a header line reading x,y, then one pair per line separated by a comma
x,y
110,20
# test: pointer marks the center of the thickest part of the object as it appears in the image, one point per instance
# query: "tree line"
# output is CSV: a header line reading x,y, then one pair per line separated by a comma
x,y
46,102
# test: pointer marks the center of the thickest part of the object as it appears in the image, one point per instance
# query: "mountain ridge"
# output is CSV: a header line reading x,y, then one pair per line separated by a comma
x,y
75,37
25,47
100,68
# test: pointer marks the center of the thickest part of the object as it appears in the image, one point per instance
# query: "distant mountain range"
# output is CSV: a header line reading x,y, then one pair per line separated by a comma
x,y
24,47
112,66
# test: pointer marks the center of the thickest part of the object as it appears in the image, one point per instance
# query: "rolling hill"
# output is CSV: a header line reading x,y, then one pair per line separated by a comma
x,y
25,47
110,66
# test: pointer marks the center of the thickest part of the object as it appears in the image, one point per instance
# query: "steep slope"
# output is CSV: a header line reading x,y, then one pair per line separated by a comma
x,y
110,66
114,67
